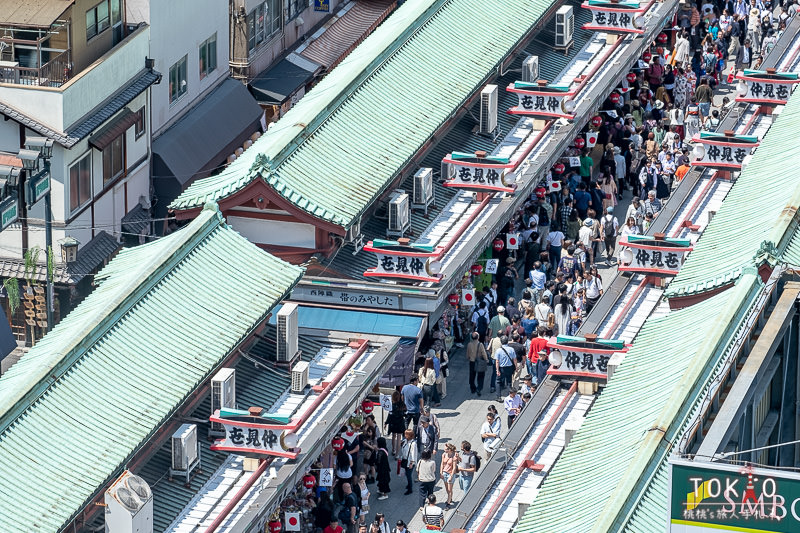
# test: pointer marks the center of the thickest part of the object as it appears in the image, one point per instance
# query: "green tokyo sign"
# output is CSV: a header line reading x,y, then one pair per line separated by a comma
x,y
725,497
9,211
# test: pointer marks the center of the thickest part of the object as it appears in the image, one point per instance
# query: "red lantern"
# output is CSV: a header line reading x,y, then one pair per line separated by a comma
x,y
614,97
274,526
662,38
337,444
579,143
647,56
476,270
367,406
631,77
597,121
498,245
453,299
559,168
309,481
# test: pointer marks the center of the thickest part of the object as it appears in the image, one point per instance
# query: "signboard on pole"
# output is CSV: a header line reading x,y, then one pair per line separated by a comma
x,y
653,255
625,16
9,212
706,496
326,477
322,5
38,187
582,356
402,260
478,172
765,86
542,100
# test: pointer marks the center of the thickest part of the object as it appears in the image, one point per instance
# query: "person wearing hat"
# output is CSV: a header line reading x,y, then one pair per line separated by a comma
x,y
609,226
754,27
585,238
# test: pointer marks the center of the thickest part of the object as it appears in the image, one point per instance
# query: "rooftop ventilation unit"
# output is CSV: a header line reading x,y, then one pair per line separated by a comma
x,y
488,118
129,505
223,394
399,221
530,69
423,189
299,377
286,320
565,27
185,452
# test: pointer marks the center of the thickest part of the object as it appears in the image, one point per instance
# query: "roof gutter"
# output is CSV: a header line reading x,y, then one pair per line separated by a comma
x,y
262,467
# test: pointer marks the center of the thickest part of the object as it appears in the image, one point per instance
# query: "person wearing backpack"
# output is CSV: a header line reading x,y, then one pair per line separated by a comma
x,y
348,516
467,464
610,226
480,320
478,360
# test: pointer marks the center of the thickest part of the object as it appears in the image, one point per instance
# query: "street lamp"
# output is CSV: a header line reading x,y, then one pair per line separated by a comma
x,y
36,149
69,249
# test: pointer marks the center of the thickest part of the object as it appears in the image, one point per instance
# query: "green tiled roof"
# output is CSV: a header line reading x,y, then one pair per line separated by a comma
x,y
608,461
343,143
91,392
757,217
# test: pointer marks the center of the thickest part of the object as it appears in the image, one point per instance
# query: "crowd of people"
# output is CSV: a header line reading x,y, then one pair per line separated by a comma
x,y
545,288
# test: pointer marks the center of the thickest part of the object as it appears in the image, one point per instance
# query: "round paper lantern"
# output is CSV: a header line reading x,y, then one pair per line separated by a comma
x,y
646,57
579,142
662,38
274,526
498,245
559,168
631,77
597,121
367,406
309,481
337,443
614,97
476,270
453,299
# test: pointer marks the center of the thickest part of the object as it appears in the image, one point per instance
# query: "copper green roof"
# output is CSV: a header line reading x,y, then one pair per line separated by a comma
x,y
757,218
617,449
77,407
343,144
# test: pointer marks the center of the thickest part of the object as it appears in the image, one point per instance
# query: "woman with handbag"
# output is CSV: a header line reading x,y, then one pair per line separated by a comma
x,y
396,421
408,459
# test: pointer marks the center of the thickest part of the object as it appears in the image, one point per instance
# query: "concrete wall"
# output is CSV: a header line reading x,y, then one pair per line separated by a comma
x,y
178,27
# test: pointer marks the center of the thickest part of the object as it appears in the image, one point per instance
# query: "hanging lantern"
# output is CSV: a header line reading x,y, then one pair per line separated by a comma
x,y
662,38
476,270
597,121
366,406
453,299
274,526
579,143
559,168
614,97
309,481
631,77
647,56
337,444
498,245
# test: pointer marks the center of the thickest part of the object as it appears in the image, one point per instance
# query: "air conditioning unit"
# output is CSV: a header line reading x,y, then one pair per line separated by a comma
x,y
223,394
565,27
488,118
287,333
355,236
530,69
423,189
129,505
185,451
399,222
448,171
299,377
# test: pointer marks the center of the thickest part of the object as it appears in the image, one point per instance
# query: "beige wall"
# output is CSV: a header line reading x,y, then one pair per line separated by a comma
x,y
85,53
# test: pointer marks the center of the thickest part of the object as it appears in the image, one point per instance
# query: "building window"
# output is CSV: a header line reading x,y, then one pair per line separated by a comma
x,y
177,80
80,182
140,124
97,19
114,159
295,8
208,56
263,23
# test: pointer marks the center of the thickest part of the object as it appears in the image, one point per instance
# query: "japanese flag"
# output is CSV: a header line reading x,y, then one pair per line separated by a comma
x,y
512,241
555,186
591,139
291,521
468,297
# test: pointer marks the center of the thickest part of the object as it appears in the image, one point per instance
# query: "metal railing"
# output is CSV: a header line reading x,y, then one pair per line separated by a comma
x,y
54,73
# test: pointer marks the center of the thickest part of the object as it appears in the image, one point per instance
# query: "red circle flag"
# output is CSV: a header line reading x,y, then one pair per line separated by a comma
x,y
293,521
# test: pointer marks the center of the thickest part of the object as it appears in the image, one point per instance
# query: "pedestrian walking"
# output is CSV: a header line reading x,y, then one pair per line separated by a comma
x,y
504,364
427,378
426,475
412,396
384,471
490,434
364,494
610,226
432,514
447,471
348,516
513,405
426,436
396,422
408,459
467,465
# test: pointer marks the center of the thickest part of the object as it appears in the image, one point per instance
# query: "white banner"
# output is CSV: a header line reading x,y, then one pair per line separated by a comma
x,y
549,104
246,439
326,477
491,266
574,363
660,261
345,297
615,20
386,402
766,92
719,156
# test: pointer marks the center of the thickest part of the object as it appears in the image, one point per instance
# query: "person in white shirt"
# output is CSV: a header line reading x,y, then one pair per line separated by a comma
x,y
594,288
490,434
513,405
621,168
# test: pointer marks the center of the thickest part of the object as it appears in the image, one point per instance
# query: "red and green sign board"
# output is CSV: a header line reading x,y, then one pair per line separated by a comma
x,y
722,497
